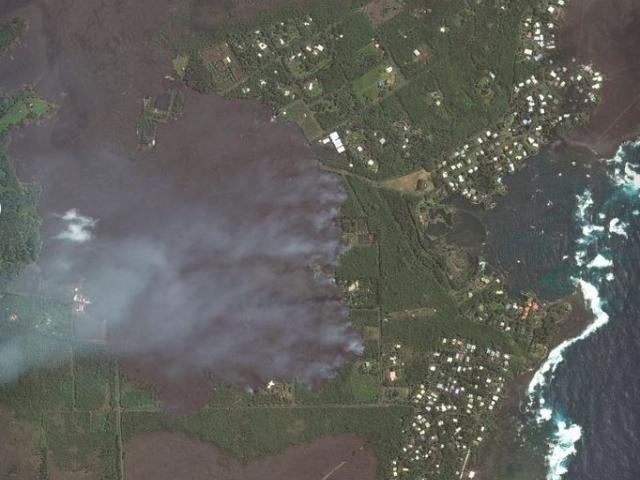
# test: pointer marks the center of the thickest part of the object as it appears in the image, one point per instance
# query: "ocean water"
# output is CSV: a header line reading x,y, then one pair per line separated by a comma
x,y
593,397
532,231
573,222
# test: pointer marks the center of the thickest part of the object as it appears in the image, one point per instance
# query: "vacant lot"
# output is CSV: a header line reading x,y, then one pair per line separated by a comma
x,y
171,455
418,181
379,11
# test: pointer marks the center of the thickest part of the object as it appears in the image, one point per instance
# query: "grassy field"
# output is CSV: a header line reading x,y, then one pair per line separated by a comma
x,y
298,112
134,397
18,110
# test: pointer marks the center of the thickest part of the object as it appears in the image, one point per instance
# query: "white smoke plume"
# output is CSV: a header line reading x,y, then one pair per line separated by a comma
x,y
79,228
207,248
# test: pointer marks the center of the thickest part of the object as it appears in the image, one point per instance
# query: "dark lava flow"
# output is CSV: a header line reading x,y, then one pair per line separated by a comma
x,y
196,255
606,33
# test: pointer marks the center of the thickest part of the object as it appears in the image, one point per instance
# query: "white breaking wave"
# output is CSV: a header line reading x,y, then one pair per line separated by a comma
x,y
629,177
544,414
585,201
563,448
600,262
618,227
555,357
590,229
78,228
562,445
590,232
625,176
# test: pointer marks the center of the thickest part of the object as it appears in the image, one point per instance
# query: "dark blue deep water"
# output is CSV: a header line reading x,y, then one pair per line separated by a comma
x,y
572,222
598,386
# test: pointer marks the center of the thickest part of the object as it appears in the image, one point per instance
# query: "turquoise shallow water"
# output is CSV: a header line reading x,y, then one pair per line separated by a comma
x,y
532,231
597,386
572,222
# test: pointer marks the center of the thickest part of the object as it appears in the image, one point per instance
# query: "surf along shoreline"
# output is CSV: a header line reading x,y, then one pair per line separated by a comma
x,y
615,120
513,411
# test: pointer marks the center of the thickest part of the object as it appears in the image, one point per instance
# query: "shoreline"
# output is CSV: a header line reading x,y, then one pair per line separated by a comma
x,y
565,142
605,33
607,152
615,121
576,320
490,457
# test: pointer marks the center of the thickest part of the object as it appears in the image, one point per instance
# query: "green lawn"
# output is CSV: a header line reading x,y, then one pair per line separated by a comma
x,y
299,113
377,82
25,108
